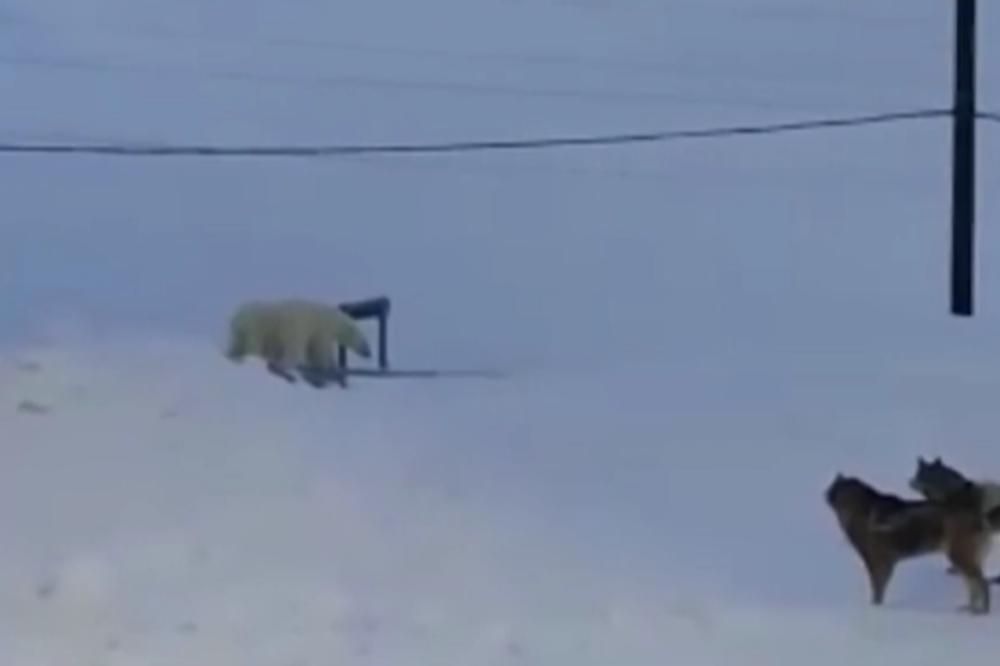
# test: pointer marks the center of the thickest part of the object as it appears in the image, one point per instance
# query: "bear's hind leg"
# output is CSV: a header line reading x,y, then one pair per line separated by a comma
x,y
276,369
322,366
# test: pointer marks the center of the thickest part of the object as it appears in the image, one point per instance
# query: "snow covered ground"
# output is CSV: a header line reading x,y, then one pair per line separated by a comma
x,y
697,335
164,508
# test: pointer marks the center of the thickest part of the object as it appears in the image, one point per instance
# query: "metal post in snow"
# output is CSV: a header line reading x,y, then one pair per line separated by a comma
x,y
963,202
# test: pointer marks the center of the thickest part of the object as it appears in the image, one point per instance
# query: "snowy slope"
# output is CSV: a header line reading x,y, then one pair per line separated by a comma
x,y
699,335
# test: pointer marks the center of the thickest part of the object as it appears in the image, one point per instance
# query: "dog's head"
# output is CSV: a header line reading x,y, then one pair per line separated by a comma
x,y
937,481
848,493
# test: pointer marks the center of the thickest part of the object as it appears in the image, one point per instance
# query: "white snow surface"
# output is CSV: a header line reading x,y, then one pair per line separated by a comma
x,y
165,508
696,336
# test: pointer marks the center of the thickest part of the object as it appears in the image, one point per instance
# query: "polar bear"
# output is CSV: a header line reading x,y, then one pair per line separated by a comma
x,y
295,335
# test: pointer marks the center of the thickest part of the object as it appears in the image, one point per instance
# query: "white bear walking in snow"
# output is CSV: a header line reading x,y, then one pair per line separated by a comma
x,y
295,335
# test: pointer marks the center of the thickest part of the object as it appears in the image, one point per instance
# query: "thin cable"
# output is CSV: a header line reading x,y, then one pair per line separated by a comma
x,y
989,115
136,150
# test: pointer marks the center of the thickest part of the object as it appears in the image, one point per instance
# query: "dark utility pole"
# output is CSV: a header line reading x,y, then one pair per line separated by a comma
x,y
963,193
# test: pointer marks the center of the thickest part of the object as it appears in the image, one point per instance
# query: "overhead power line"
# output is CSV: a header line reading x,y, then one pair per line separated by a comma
x,y
140,150
989,115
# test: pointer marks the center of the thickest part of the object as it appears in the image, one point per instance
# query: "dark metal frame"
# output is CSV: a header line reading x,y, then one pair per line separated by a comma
x,y
372,308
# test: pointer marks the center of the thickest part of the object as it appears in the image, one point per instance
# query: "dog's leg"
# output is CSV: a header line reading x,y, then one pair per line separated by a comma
x,y
880,568
984,552
979,595
966,560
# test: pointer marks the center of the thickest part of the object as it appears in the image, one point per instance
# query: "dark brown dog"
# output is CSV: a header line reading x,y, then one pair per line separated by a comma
x,y
885,529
